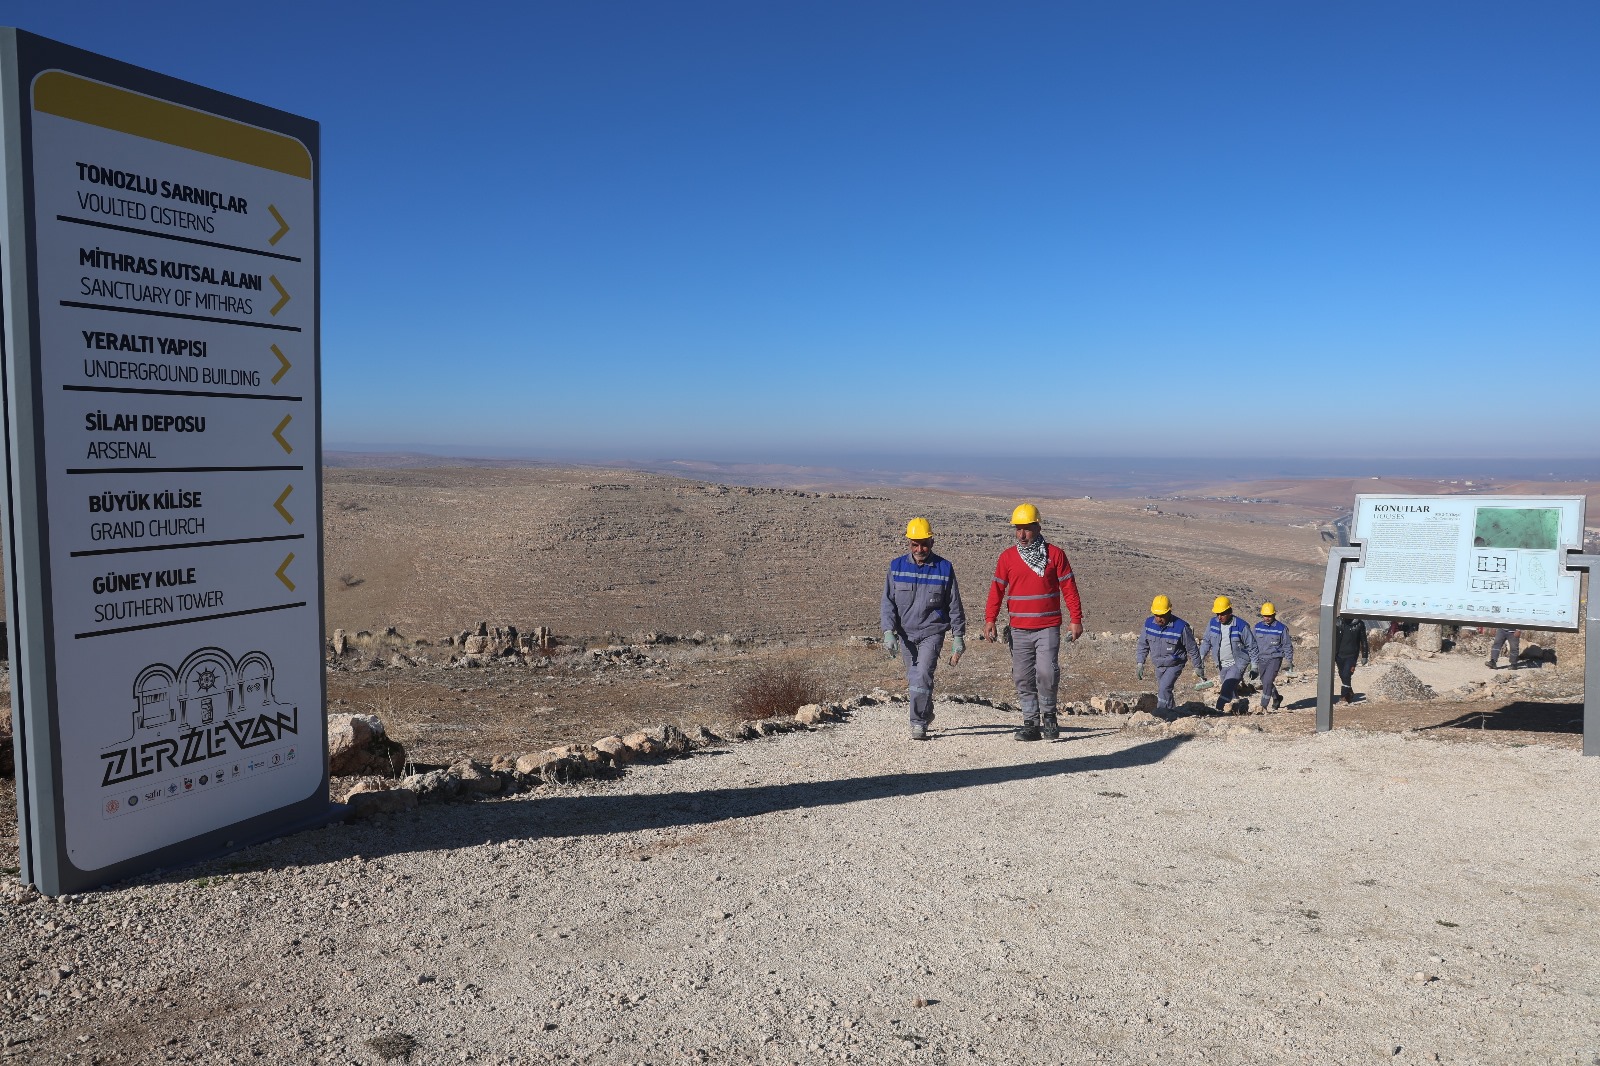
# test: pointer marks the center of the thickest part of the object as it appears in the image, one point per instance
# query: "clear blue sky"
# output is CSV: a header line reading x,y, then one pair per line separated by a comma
x,y
761,230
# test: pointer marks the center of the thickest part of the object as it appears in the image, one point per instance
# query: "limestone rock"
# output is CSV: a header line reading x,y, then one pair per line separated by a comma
x,y
383,801
615,750
811,714
359,744
1143,720
475,777
435,786
1430,638
643,745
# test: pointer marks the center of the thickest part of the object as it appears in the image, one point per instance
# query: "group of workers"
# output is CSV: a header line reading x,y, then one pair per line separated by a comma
x,y
1033,581
1231,646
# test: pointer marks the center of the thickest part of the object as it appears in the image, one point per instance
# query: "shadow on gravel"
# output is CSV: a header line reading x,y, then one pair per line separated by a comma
x,y
1085,732
1524,715
586,813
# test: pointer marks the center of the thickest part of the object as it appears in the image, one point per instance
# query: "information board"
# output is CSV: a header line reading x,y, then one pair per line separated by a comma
x,y
162,394
1492,560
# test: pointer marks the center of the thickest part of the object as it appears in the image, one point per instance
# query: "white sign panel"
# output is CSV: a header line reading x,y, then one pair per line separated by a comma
x,y
176,442
1494,560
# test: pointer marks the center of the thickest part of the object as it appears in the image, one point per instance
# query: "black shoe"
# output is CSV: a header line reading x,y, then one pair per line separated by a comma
x,y
1277,701
1049,729
1029,731
1348,695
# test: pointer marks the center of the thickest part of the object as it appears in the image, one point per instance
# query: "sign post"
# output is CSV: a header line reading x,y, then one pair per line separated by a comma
x,y
1502,561
159,279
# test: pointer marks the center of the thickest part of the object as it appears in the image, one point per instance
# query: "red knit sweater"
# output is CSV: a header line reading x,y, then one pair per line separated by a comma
x,y
1034,602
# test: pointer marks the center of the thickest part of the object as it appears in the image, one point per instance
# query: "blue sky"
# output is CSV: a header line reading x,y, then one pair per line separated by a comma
x,y
768,231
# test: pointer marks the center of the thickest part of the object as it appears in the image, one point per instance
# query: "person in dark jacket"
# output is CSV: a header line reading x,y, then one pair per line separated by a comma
x,y
921,603
1274,649
1349,643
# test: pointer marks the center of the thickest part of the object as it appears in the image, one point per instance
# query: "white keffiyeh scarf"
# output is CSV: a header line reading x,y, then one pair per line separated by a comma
x,y
1035,555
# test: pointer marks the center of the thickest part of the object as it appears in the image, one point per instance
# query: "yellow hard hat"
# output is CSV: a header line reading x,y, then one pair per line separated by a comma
x,y
1220,604
1267,610
918,529
1026,514
1160,605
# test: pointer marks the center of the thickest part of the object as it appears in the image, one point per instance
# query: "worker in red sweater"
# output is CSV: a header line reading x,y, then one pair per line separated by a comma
x,y
1034,579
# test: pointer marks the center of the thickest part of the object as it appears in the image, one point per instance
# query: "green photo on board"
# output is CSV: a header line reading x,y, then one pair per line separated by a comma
x,y
1536,528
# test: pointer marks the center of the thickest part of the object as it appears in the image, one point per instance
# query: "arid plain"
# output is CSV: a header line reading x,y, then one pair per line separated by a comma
x,y
705,582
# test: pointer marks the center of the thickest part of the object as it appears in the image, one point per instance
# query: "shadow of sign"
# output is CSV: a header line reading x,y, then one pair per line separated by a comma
x,y
1522,716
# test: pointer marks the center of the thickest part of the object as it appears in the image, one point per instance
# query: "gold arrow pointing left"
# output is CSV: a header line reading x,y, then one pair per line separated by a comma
x,y
277,505
277,435
282,576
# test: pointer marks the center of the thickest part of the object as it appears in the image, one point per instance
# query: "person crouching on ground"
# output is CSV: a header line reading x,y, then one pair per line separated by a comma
x,y
1168,642
1233,645
1274,650
921,603
1034,579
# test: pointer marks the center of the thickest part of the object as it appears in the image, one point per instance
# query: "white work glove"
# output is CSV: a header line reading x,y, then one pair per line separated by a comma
x,y
891,644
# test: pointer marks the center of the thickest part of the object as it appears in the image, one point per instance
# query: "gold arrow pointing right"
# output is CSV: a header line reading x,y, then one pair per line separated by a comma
x,y
282,370
283,294
283,227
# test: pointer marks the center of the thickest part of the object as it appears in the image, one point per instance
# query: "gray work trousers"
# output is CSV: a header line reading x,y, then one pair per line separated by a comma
x,y
921,658
1229,679
1166,681
1502,637
1269,674
1034,653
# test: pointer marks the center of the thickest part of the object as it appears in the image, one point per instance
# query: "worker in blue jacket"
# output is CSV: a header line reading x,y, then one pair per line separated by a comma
x,y
1168,643
1274,650
1234,648
921,603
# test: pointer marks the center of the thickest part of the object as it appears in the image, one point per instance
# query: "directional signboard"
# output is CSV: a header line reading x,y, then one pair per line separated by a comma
x,y
163,442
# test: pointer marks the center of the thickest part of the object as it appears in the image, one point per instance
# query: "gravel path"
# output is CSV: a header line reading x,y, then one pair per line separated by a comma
x,y
847,895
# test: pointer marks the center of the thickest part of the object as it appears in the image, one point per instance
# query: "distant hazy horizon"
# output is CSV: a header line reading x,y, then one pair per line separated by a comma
x,y
1067,474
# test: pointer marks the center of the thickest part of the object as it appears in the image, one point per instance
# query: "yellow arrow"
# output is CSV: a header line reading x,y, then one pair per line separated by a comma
x,y
283,227
287,583
283,294
282,370
277,435
277,505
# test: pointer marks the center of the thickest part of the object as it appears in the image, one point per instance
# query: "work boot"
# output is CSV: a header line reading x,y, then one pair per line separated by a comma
x,y
1490,664
919,732
1347,694
1049,729
1029,731
1277,701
